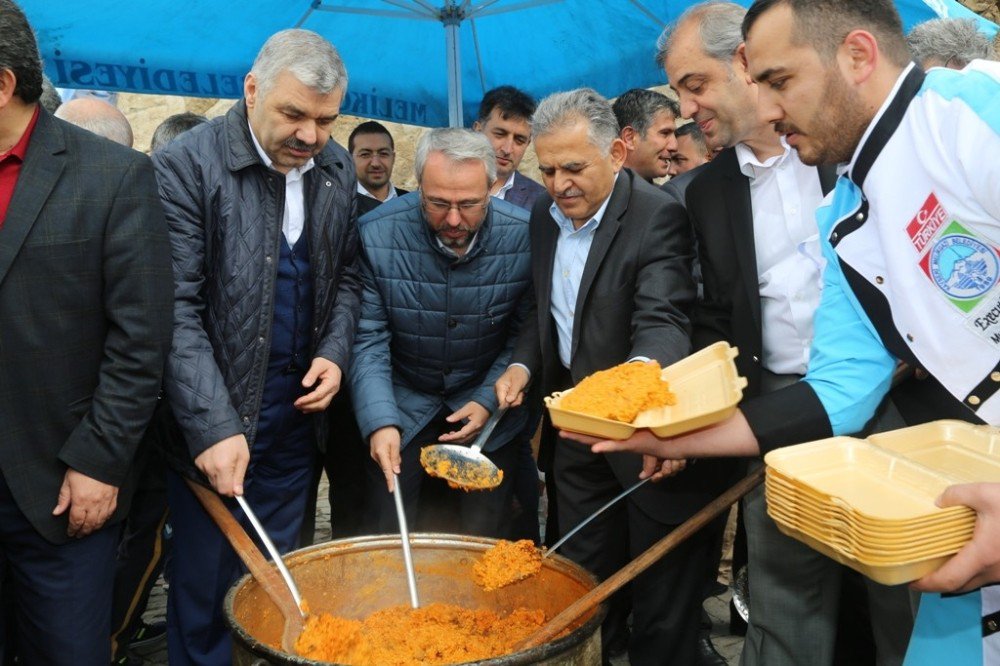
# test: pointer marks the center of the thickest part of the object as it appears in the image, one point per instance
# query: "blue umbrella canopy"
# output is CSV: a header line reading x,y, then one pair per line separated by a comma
x,y
421,62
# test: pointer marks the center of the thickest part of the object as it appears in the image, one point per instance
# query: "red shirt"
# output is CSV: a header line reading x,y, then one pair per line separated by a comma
x,y
10,166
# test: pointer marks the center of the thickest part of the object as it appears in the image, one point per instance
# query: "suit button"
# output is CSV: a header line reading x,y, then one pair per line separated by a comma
x,y
452,323
246,420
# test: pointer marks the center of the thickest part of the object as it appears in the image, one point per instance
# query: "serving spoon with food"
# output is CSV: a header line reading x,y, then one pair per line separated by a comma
x,y
465,467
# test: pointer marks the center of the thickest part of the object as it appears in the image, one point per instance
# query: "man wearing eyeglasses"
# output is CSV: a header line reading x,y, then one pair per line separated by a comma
x,y
374,153
446,276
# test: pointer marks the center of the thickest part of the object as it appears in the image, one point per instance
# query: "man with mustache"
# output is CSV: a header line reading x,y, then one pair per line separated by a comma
x,y
374,153
260,205
437,328
611,258
753,210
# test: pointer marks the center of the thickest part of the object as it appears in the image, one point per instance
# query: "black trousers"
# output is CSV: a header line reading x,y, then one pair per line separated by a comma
x,y
344,459
665,599
430,505
61,593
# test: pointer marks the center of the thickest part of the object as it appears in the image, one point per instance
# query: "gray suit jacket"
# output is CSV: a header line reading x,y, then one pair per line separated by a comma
x,y
525,192
633,301
86,304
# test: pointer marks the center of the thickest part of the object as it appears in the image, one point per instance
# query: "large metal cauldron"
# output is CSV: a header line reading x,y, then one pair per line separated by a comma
x,y
354,577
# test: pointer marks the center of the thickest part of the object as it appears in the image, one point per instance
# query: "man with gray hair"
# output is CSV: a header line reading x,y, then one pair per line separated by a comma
x,y
437,328
99,117
753,210
260,205
949,42
612,275
647,121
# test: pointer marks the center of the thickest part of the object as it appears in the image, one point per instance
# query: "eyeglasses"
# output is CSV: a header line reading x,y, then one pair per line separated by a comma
x,y
464,208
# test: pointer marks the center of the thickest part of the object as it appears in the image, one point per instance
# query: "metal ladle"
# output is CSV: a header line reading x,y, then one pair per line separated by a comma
x,y
404,534
281,589
465,466
589,518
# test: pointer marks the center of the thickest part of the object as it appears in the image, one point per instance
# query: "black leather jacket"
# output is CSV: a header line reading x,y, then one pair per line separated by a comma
x,y
224,210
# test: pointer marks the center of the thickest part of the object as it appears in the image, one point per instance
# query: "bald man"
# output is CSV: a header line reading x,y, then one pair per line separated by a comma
x,y
97,116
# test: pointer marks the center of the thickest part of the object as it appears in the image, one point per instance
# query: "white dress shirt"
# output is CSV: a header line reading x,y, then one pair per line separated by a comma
x,y
293,220
784,196
572,250
392,192
502,194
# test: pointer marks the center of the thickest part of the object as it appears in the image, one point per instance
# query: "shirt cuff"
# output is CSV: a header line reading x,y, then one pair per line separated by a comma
x,y
640,359
522,366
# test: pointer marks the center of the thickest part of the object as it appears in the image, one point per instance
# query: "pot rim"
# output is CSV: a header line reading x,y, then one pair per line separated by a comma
x,y
380,541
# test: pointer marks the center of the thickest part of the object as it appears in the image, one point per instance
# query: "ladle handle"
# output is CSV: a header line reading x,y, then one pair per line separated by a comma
x,y
266,575
275,555
488,428
404,534
643,562
586,521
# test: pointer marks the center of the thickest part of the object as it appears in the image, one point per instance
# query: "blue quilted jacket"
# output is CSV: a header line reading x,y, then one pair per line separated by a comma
x,y
436,331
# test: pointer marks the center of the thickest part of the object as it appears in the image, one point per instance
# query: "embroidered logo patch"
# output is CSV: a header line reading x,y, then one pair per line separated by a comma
x,y
963,267
959,263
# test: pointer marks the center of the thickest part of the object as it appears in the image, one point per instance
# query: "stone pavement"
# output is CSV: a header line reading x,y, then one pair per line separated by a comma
x,y
717,607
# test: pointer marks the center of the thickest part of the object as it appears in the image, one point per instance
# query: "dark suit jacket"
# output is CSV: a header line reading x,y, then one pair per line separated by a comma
x,y
524,193
366,204
86,307
676,187
633,301
718,203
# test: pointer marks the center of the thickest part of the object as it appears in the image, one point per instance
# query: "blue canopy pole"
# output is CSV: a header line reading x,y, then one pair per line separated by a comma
x,y
451,17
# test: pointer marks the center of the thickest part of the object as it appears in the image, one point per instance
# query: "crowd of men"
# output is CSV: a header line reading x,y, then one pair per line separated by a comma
x,y
253,304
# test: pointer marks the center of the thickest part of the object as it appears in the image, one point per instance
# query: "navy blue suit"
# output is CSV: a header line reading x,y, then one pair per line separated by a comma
x,y
277,481
524,192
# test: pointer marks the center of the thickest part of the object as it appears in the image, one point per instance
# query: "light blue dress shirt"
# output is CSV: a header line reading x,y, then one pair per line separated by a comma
x,y
572,250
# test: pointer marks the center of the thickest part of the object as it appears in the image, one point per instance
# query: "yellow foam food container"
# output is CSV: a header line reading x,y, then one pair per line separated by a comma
x,y
707,388
870,504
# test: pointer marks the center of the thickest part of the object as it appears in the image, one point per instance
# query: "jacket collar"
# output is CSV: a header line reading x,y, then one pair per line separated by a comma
x,y
884,124
241,152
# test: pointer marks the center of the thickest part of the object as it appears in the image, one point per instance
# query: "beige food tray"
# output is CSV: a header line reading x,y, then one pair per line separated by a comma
x,y
835,508
895,573
961,451
876,485
707,387
874,535
856,544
